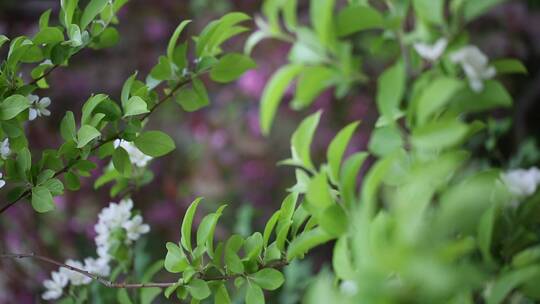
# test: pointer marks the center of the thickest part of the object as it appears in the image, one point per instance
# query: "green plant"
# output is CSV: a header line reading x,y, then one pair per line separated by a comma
x,y
426,226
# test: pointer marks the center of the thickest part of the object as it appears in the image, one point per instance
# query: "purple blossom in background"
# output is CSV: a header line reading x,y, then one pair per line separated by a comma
x,y
252,83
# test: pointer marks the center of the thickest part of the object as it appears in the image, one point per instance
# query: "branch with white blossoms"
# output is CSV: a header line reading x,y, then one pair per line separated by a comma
x,y
116,227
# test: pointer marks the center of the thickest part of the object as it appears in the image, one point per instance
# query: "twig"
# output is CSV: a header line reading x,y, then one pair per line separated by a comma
x,y
102,142
54,67
278,264
84,272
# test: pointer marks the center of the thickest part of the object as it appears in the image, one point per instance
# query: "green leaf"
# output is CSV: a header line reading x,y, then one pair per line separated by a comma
x,y
198,289
273,93
174,38
494,95
42,200
312,82
205,233
337,148
354,18
149,294
254,294
126,89
439,135
485,233
108,38
175,260
430,10
348,178
135,106
217,32
68,129
12,106
436,95
270,227
72,181
321,15
341,259
49,35
526,257
509,66
89,106
154,143
163,70
254,246
221,295
390,90
301,141
334,220
318,194
68,9
473,9
230,67
187,223
93,9
121,161
509,281
193,98
3,39
232,260
122,297
306,241
86,134
385,140
268,278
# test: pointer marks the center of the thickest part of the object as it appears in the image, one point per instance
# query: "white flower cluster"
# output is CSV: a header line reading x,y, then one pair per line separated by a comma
x,y
431,52
136,157
38,107
110,219
522,182
475,64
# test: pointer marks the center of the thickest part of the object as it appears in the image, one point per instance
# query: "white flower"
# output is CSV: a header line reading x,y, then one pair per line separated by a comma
x,y
136,157
75,278
55,286
116,214
2,181
4,148
38,106
349,288
521,182
135,227
431,52
475,65
99,266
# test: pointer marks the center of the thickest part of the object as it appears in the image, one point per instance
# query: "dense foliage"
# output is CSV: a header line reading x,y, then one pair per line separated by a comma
x,y
426,223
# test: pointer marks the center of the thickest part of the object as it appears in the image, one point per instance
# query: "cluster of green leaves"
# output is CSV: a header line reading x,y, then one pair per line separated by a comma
x,y
48,49
104,122
426,226
251,262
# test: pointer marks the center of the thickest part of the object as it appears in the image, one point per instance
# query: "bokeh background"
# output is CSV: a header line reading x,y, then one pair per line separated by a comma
x,y
221,154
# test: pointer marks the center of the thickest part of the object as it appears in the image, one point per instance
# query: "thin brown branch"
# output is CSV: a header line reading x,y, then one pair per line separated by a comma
x,y
278,264
54,67
95,277
100,143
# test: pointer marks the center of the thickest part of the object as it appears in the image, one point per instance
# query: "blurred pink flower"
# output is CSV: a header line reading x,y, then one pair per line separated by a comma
x,y
252,83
